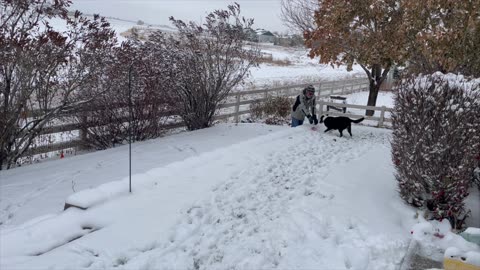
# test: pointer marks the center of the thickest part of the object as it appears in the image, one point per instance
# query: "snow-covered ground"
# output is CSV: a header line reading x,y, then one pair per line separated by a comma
x,y
49,183
230,197
302,69
18,206
293,198
361,98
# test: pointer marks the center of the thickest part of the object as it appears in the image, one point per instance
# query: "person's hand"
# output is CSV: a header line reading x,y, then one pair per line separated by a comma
x,y
310,119
315,120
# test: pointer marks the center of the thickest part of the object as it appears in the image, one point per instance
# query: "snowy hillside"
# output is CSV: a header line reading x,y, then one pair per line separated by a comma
x,y
265,12
300,67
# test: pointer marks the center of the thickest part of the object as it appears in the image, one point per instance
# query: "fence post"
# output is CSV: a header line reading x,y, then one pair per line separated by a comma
x,y
320,109
237,108
382,116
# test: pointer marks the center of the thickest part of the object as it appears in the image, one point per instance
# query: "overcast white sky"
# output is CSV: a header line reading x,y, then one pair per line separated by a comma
x,y
265,12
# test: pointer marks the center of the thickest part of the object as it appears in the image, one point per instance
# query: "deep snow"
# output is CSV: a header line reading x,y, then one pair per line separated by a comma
x,y
295,198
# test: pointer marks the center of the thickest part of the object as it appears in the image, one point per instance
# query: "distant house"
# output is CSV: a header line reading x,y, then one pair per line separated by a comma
x,y
265,36
251,35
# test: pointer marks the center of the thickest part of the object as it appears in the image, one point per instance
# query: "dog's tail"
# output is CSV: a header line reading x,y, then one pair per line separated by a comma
x,y
358,120
321,118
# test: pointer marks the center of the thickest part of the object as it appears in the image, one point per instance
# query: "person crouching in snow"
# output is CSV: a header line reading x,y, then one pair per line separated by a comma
x,y
304,104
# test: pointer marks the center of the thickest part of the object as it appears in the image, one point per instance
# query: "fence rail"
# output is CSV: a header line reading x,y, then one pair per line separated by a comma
x,y
324,89
380,119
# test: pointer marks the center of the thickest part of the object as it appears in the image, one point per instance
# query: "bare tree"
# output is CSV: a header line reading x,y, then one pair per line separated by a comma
x,y
41,68
298,15
138,68
211,59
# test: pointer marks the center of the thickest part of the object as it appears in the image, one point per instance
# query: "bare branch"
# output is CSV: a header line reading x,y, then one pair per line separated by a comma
x,y
298,15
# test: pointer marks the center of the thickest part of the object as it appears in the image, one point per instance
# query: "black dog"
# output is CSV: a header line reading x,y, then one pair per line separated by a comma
x,y
339,123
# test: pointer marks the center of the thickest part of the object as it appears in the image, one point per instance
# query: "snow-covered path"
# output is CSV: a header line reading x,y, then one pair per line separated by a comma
x,y
295,198
288,212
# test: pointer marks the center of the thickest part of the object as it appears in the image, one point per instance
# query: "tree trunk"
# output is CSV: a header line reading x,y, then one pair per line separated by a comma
x,y
1,159
376,78
372,97
197,122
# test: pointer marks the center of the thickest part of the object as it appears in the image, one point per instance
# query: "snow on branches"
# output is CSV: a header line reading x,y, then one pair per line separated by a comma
x,y
436,138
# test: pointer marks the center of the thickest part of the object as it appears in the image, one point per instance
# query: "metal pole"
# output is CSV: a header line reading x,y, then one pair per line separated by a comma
x,y
130,129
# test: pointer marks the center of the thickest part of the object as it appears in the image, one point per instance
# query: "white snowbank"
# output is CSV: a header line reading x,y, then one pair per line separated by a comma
x,y
436,237
473,231
296,198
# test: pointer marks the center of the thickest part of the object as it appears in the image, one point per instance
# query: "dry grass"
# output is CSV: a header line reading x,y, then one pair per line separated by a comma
x,y
141,34
268,59
275,110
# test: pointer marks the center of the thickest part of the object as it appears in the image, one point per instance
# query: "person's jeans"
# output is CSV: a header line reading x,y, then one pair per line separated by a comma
x,y
296,122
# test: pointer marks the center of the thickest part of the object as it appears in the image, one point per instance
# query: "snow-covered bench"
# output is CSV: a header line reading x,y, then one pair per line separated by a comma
x,y
337,99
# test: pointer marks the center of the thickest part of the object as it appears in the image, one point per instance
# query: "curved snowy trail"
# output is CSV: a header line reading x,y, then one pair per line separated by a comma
x,y
293,199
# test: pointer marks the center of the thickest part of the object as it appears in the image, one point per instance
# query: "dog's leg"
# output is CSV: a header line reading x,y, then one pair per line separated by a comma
x,y
341,134
349,129
328,129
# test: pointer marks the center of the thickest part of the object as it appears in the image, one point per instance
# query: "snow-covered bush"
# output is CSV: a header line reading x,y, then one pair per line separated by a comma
x,y
43,67
142,68
273,109
211,60
436,139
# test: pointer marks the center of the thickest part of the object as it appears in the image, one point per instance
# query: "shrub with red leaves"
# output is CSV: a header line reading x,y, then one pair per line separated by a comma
x,y
436,137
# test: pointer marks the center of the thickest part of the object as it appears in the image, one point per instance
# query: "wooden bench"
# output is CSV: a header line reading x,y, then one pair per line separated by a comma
x,y
340,109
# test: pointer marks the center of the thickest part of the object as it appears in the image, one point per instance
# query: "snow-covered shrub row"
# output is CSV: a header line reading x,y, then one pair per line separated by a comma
x,y
436,142
81,76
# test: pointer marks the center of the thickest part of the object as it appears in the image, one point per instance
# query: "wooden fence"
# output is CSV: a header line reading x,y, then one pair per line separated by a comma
x,y
238,103
380,119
